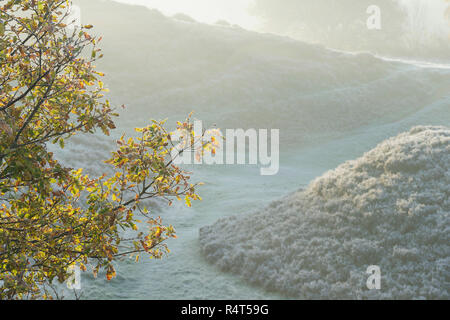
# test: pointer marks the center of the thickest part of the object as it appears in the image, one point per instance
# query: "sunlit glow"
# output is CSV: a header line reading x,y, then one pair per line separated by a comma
x,y
427,17
207,11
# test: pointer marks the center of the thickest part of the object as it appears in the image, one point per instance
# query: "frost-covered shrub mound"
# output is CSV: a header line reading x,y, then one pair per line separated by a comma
x,y
389,208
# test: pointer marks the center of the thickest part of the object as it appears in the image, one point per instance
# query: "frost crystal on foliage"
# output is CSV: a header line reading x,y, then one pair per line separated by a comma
x,y
388,208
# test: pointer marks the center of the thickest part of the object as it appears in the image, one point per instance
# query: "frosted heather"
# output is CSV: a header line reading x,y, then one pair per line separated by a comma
x,y
388,208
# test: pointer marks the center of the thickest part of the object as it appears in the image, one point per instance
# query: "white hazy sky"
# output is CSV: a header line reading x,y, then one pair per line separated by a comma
x,y
208,11
237,11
